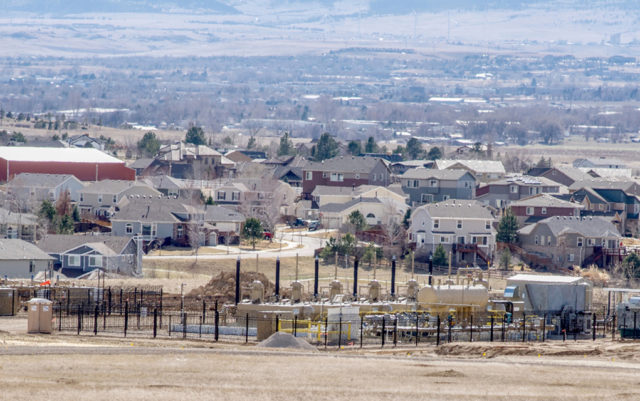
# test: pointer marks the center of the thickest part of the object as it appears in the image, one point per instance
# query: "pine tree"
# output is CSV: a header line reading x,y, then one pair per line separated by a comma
x,y
508,228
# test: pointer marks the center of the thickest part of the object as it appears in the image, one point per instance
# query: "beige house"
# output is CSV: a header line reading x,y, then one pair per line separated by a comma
x,y
483,170
376,212
324,195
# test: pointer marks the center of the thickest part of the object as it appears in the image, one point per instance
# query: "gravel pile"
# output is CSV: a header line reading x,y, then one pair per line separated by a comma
x,y
286,340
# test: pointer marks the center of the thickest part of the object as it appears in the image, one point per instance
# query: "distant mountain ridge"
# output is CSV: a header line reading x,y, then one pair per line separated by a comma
x,y
62,7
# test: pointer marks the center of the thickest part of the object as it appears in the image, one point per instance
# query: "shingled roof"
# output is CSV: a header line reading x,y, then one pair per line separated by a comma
x,y
594,227
352,164
421,173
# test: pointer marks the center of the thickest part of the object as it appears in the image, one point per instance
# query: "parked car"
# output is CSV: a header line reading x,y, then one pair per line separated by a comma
x,y
297,223
313,225
268,235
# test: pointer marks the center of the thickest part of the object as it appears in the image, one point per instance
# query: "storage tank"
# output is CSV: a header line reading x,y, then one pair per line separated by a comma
x,y
453,294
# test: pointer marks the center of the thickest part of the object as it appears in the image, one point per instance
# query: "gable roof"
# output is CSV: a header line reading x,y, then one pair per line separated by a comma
x,y
479,166
57,243
34,180
60,155
141,163
164,182
573,173
9,217
351,164
117,187
453,208
157,210
219,213
546,200
17,249
339,207
585,226
623,184
421,173
527,180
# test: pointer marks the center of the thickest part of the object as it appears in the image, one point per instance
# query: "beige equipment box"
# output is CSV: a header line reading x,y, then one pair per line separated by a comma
x,y
40,315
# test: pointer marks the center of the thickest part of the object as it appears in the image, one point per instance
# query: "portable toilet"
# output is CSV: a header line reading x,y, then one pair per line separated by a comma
x,y
39,316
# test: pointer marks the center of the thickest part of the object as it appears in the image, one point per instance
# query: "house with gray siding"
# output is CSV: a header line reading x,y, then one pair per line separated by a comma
x,y
568,241
502,193
424,185
31,188
102,198
21,259
466,228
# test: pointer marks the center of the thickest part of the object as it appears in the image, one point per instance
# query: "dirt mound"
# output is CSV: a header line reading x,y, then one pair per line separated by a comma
x,y
526,349
223,285
286,340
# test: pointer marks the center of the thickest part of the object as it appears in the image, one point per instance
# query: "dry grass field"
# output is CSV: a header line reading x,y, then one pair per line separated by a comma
x,y
66,367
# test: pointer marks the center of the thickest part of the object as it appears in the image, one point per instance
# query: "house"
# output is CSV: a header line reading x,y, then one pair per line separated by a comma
x,y
571,240
86,164
225,223
482,170
140,165
401,167
231,193
33,188
188,161
345,171
463,227
102,198
425,185
562,174
21,259
173,187
375,211
22,226
157,219
291,172
78,254
501,193
601,162
539,207
324,195
85,141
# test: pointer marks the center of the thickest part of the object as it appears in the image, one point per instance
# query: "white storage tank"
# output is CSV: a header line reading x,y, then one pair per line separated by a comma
x,y
454,294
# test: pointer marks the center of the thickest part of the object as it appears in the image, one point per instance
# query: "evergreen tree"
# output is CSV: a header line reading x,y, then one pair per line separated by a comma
x,y
508,228
326,148
252,142
414,149
252,230
149,144
371,146
440,256
286,146
355,148
195,135
434,153
47,210
357,220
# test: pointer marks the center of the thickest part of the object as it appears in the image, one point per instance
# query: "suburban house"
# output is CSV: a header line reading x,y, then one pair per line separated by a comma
x,y
602,162
78,254
140,165
502,193
231,193
562,174
463,227
401,167
345,171
324,195
375,211
482,170
188,161
102,198
225,224
85,141
21,259
32,188
541,206
425,185
22,226
291,172
567,241
159,220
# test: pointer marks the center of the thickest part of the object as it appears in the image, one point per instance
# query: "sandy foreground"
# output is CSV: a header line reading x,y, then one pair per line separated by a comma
x,y
48,367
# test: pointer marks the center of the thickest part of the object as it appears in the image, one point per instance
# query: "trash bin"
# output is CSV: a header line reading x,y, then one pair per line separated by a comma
x,y
40,315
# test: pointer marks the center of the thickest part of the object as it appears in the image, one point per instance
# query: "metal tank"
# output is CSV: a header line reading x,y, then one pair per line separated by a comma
x,y
454,294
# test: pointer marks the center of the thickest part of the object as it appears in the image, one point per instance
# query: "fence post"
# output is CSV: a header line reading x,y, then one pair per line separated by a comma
x,y
450,321
471,329
437,330
246,329
217,320
524,325
155,322
544,326
635,334
295,326
339,332
491,332
169,325
79,320
104,317
326,325
109,300
417,329
395,330
383,333
361,329
184,324
613,328
126,316
204,311
200,328
95,321
593,327
503,322
60,317
161,295
138,310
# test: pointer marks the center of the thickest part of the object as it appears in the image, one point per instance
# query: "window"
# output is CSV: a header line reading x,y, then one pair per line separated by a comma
x,y
445,197
74,260
529,211
513,189
487,225
444,239
128,228
337,177
467,184
115,198
537,240
371,216
180,232
459,224
308,175
81,198
95,261
324,174
548,240
580,241
433,183
412,183
99,198
571,257
426,198
375,176
357,176
235,195
591,242
32,266
436,224
221,195
148,230
543,210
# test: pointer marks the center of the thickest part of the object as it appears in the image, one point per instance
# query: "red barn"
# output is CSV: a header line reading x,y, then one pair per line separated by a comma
x,y
87,164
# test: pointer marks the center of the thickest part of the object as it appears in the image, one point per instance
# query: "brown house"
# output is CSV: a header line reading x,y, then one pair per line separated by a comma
x,y
345,171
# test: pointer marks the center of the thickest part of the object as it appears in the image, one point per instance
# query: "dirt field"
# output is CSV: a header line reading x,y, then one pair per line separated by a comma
x,y
63,367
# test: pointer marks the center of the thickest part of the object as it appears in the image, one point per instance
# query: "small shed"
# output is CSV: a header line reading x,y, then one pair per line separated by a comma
x,y
548,293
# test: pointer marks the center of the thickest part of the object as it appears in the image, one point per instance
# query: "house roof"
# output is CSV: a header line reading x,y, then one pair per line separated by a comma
x,y
55,243
458,208
117,186
33,180
17,249
60,155
156,210
545,279
141,163
607,172
573,173
421,173
597,162
9,217
527,180
478,166
546,200
219,213
620,183
179,151
351,164
339,207
164,182
585,226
